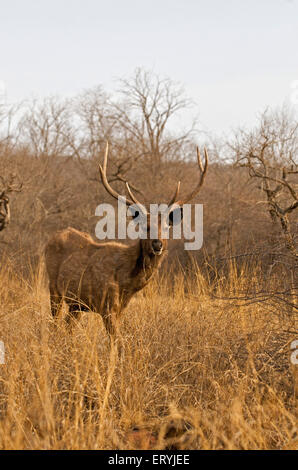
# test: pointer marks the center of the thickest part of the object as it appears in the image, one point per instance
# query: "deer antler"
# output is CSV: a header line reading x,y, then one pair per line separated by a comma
x,y
103,173
11,186
203,171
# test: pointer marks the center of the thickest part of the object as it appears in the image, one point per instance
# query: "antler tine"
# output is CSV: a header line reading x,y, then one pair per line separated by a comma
x,y
176,194
203,171
200,159
103,174
110,190
105,160
135,200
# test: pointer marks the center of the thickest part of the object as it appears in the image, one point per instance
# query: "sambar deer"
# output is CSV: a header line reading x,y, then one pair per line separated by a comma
x,y
104,276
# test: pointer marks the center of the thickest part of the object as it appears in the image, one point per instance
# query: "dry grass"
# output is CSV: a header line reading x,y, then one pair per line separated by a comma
x,y
210,374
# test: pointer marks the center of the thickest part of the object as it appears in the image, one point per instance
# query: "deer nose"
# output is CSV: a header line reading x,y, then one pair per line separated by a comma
x,y
157,245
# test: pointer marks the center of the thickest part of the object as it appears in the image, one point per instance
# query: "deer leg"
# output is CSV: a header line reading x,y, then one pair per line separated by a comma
x,y
115,339
110,323
110,312
74,313
56,303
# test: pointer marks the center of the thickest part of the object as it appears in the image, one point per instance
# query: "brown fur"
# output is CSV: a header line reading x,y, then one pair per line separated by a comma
x,y
99,276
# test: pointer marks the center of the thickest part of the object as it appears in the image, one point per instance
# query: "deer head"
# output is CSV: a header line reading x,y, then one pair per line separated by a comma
x,y
155,245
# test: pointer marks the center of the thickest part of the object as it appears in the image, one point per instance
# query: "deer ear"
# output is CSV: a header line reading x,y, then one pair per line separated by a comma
x,y
175,216
134,213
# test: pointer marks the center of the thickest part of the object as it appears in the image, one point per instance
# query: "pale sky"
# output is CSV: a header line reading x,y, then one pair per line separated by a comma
x,y
233,57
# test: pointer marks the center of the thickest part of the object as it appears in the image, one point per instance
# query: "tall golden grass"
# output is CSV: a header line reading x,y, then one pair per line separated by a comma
x,y
216,372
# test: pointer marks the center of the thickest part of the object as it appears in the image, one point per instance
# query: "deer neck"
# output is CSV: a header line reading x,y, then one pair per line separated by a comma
x,y
144,266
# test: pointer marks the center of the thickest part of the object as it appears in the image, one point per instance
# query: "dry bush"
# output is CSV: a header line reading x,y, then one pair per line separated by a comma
x,y
195,372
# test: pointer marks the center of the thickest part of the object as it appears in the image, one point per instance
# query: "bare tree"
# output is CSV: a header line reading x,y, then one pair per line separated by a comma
x,y
148,107
95,122
9,129
47,128
8,186
270,153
